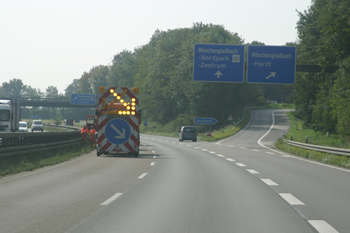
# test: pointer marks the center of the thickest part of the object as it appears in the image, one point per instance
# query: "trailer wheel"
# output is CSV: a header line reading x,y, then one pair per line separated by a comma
x,y
137,153
98,153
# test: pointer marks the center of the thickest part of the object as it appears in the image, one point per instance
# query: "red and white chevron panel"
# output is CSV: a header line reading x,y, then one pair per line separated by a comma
x,y
102,119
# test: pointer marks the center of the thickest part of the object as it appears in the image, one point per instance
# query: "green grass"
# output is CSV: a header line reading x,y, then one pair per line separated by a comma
x,y
300,133
333,159
227,131
317,138
31,161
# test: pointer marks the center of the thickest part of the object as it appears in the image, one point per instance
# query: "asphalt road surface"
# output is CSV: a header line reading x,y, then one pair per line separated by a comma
x,y
239,184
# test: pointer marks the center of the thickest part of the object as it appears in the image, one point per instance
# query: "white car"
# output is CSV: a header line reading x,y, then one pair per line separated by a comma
x,y
23,126
37,125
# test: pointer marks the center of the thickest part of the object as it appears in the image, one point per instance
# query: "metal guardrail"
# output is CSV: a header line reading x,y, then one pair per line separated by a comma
x,y
20,143
325,149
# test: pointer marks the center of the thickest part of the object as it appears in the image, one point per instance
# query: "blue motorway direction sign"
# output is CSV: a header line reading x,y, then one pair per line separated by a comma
x,y
204,121
87,99
218,63
118,131
271,64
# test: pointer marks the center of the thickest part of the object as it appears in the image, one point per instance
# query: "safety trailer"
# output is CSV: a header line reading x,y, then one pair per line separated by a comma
x,y
118,121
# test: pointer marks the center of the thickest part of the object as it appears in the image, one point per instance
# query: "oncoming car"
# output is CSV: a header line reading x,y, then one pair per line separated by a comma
x,y
37,125
188,133
23,126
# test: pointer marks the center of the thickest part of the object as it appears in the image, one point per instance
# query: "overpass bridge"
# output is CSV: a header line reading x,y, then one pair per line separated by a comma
x,y
53,103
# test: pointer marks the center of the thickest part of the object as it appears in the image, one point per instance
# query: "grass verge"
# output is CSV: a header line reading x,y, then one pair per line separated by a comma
x,y
317,138
227,131
333,159
31,161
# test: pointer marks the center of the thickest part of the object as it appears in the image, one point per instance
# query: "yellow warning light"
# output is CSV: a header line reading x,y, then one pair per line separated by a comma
x,y
115,94
124,112
121,101
108,106
128,107
132,113
127,112
101,89
125,104
133,104
103,103
135,90
103,112
118,97
132,108
133,99
120,112
103,99
111,90
125,91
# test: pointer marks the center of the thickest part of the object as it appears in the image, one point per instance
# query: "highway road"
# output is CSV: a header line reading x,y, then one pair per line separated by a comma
x,y
239,184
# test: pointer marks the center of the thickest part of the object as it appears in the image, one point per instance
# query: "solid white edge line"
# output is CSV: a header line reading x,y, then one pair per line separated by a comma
x,y
294,156
322,226
251,117
291,199
143,175
111,199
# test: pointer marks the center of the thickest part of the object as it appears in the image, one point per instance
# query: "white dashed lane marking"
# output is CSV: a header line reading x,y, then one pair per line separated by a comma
x,y
269,182
143,175
291,199
253,171
229,159
112,199
322,226
241,164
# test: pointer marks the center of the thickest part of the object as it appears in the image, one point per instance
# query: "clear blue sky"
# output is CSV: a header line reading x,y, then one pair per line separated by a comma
x,y
51,42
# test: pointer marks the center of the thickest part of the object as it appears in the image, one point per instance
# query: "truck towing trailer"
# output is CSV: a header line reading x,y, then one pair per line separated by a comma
x,y
10,115
118,121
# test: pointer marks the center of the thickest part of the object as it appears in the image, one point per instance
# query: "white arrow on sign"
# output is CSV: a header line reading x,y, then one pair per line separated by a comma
x,y
271,75
121,135
218,74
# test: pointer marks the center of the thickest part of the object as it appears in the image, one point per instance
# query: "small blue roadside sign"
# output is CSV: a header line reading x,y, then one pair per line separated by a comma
x,y
85,99
218,63
204,121
271,64
145,122
118,131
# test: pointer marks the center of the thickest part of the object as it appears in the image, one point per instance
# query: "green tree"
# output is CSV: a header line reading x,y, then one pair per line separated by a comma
x,y
11,89
324,39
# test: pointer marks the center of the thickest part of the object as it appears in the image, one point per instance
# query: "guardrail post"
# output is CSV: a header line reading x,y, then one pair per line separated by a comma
x,y
307,139
291,137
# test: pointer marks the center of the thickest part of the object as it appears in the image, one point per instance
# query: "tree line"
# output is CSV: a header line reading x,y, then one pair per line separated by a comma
x,y
163,70
323,98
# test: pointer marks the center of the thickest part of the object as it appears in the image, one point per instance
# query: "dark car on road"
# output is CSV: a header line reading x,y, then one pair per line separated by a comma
x,y
188,133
